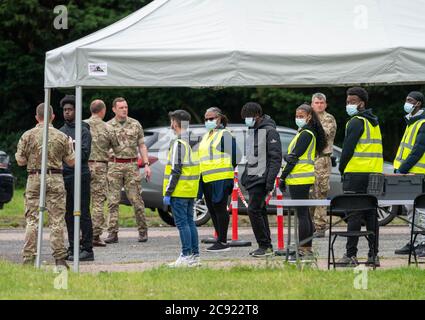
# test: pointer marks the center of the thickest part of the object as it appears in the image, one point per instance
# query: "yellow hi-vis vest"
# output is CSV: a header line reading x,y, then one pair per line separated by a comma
x,y
188,184
215,165
406,146
303,172
367,155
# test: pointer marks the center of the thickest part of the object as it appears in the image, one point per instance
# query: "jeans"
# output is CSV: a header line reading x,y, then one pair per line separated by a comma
x,y
257,212
182,209
85,218
305,224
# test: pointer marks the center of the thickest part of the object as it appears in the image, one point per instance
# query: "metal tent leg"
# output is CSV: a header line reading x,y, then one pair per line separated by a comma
x,y
42,203
77,176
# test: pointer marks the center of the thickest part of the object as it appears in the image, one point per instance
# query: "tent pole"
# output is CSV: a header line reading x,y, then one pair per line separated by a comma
x,y
42,198
77,176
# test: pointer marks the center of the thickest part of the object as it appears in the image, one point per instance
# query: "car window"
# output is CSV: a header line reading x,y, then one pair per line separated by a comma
x,y
285,140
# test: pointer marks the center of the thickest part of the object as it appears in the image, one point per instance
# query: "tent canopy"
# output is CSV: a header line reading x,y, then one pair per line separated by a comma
x,y
205,43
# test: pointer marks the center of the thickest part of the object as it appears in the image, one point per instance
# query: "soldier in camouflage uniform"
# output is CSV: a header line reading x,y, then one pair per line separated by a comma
x,y
103,139
322,164
29,154
123,170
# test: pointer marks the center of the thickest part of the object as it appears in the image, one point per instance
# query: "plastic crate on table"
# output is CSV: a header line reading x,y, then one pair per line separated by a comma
x,y
403,186
376,184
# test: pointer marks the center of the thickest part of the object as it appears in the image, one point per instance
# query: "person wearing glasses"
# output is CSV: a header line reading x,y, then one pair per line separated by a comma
x,y
218,157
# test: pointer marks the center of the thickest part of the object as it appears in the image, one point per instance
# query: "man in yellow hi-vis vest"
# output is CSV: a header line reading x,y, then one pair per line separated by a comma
x,y
180,188
361,155
410,158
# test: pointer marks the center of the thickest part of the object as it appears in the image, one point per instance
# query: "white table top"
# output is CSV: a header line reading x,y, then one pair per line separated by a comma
x,y
326,203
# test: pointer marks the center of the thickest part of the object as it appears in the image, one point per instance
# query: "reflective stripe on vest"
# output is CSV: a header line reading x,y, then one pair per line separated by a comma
x,y
406,146
188,183
303,172
367,155
214,165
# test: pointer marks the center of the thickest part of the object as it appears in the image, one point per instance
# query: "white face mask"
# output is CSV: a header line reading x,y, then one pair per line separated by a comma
x,y
351,109
300,122
249,122
408,107
211,124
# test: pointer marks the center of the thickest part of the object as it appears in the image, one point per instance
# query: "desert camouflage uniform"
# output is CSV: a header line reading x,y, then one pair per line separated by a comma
x,y
130,136
322,170
29,150
103,140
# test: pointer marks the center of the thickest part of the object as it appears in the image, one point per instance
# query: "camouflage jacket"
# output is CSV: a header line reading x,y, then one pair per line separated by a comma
x,y
129,135
329,126
103,139
30,145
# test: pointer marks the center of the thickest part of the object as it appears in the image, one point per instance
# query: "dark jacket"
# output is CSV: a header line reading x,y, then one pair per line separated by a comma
x,y
69,130
419,147
353,133
300,148
264,155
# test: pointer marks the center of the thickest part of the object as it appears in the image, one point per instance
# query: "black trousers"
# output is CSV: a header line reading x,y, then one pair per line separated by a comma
x,y
357,183
85,218
305,224
258,215
218,212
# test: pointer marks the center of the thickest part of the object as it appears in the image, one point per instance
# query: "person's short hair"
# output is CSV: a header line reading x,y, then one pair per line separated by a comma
x,y
116,100
418,96
251,109
359,92
68,99
318,95
179,116
96,106
40,111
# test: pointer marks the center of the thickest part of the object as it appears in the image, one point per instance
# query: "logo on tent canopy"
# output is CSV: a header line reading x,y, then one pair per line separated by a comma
x,y
98,69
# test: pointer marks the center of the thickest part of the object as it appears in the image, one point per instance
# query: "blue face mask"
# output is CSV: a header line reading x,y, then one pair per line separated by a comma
x,y
211,124
351,109
408,107
250,122
300,122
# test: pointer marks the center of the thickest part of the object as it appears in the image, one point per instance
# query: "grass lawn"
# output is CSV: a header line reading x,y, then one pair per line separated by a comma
x,y
284,282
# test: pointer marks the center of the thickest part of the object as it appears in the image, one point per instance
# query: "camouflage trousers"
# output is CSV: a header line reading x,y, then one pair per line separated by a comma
x,y
99,194
321,187
55,204
125,175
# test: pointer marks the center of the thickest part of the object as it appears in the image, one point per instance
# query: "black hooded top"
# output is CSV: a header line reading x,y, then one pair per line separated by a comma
x,y
69,130
264,174
353,133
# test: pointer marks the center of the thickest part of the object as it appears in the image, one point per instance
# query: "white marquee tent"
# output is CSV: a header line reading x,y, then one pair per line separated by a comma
x,y
208,43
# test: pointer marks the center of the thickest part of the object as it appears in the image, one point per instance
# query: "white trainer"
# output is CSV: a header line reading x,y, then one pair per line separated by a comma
x,y
182,261
194,260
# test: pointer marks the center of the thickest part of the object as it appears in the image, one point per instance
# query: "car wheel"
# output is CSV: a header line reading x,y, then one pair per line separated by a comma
x,y
387,214
200,209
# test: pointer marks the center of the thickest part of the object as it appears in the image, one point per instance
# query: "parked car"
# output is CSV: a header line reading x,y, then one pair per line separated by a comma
x,y
158,140
6,179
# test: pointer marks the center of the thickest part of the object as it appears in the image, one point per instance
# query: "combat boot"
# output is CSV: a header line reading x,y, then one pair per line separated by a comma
x,y
97,242
61,263
143,236
112,237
